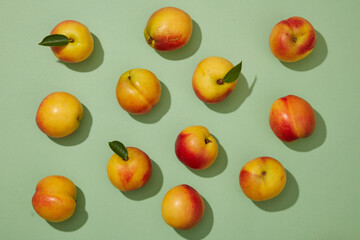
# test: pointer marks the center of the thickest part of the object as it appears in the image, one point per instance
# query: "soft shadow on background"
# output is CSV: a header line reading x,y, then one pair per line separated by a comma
x,y
151,188
189,49
217,167
78,219
312,142
81,134
203,228
285,199
236,98
159,110
314,59
93,62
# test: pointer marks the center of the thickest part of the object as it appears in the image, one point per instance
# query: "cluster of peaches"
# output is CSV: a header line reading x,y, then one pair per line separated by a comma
x,y
139,90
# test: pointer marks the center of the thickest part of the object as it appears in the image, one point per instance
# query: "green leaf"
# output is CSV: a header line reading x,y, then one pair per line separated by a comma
x,y
55,40
233,74
119,149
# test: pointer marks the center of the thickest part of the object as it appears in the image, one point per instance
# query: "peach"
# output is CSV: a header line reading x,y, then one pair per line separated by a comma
x,y
292,39
59,114
182,207
291,118
207,80
138,91
262,178
196,147
55,198
168,28
131,171
70,41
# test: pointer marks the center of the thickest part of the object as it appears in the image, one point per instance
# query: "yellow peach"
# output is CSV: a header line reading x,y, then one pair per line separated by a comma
x,y
207,80
55,198
262,178
138,91
182,207
59,114
81,43
168,29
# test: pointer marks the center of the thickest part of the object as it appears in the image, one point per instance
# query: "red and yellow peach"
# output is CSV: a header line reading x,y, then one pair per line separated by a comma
x,y
292,39
132,173
168,29
182,207
81,42
262,178
55,198
291,117
138,91
196,147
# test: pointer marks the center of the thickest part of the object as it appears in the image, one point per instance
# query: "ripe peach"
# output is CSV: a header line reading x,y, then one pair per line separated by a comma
x,y
131,173
55,198
168,29
292,117
292,39
207,80
59,114
262,178
81,43
182,207
138,91
196,148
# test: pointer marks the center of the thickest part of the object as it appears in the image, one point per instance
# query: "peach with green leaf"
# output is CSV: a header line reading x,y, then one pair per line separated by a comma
x,y
70,41
214,79
129,168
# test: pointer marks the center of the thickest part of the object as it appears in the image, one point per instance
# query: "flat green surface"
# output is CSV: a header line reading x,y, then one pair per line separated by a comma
x,y
321,198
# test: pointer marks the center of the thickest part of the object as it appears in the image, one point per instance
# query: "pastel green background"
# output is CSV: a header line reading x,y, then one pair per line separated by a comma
x,y
321,198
